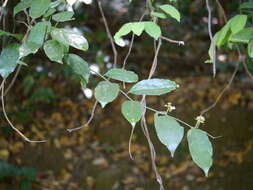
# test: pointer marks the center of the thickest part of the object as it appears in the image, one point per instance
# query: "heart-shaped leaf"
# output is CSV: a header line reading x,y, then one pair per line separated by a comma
x,y
153,29
106,92
38,8
153,87
69,37
200,148
169,132
132,111
54,50
79,66
122,75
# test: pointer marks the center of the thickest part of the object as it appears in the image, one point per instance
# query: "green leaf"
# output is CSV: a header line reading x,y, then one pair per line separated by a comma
x,y
49,12
158,15
54,50
237,23
63,16
243,36
79,66
200,148
250,48
153,29
56,3
122,75
4,33
124,30
137,28
172,11
106,92
68,37
246,5
35,39
169,132
8,60
153,87
132,111
38,8
21,6
222,36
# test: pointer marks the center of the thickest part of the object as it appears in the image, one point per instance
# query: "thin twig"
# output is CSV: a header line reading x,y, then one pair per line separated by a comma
x,y
88,122
129,143
223,90
172,41
10,123
211,36
108,34
13,80
154,64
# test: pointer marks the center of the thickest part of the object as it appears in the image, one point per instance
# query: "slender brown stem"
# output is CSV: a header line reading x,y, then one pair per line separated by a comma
x,y
108,34
89,121
8,120
172,41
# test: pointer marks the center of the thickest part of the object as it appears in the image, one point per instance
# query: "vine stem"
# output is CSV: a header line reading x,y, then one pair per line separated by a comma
x,y
211,36
108,33
10,123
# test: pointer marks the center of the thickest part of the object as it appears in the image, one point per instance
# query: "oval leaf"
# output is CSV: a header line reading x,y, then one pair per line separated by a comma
x,y
238,23
54,50
153,87
106,92
8,60
243,36
63,16
122,75
222,36
169,132
172,11
153,29
200,148
68,37
79,66
38,8
132,111
21,6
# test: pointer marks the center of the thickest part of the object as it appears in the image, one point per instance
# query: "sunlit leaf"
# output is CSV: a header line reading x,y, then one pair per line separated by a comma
x,y
8,60
172,11
122,75
38,8
158,15
243,36
69,37
106,92
153,87
63,16
54,50
79,66
222,36
153,29
169,132
200,148
132,111
237,23
137,28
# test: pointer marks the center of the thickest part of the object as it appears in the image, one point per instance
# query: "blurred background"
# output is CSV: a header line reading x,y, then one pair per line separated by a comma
x,y
46,100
